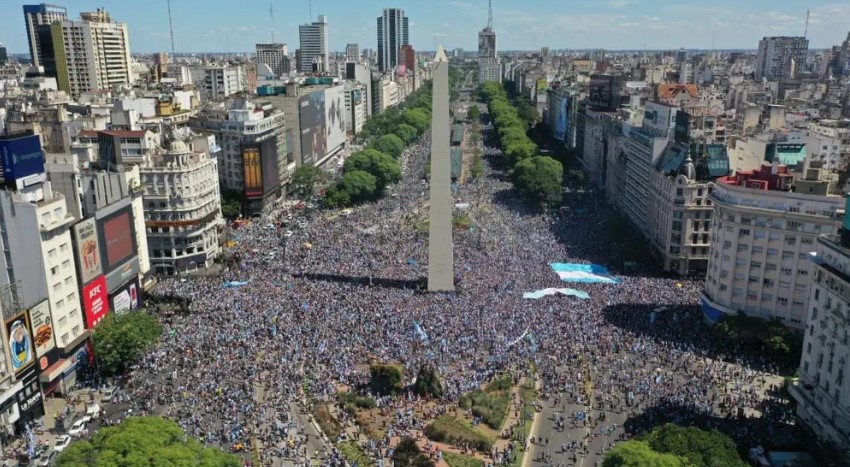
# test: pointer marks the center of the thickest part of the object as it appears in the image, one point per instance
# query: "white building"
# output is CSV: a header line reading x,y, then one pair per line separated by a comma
x,y
92,54
276,56
355,107
393,32
223,81
781,57
182,208
760,237
386,94
823,401
313,41
352,53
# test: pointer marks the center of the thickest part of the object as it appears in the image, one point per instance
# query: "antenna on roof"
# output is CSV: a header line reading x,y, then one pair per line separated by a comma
x,y
806,31
271,15
490,14
311,11
170,27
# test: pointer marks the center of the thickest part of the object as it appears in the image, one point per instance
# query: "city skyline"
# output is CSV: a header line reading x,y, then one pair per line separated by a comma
x,y
613,24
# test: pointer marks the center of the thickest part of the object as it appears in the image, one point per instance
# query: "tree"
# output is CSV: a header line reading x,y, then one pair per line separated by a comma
x,y
231,203
417,118
149,441
407,454
639,454
385,169
385,379
389,144
473,114
575,177
336,197
700,447
121,339
520,151
360,185
428,382
539,179
305,178
407,133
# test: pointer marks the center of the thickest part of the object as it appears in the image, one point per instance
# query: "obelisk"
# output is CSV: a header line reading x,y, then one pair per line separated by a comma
x,y
440,251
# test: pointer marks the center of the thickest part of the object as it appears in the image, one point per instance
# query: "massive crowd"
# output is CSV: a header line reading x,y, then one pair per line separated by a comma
x,y
343,291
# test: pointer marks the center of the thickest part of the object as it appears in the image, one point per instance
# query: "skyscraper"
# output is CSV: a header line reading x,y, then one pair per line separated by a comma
x,y
91,54
352,53
37,19
4,57
276,56
393,33
489,68
781,57
313,40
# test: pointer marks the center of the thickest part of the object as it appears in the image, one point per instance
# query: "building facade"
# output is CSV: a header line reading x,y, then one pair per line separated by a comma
x,y
761,233
489,67
313,45
37,20
355,107
781,57
92,54
352,53
393,32
276,56
224,81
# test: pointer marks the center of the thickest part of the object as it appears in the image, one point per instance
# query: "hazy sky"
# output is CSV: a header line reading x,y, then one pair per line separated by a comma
x,y
217,25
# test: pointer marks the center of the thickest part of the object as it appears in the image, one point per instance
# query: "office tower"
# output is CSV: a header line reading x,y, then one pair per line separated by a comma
x,y
781,57
37,19
91,54
313,40
276,56
352,53
489,68
393,33
4,57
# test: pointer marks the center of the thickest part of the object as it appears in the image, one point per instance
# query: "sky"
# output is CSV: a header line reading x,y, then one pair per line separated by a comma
x,y
236,25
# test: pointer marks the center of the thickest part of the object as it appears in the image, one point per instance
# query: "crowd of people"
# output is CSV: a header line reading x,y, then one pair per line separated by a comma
x,y
347,290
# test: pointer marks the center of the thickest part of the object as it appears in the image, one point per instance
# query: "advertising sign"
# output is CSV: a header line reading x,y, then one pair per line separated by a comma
x,y
21,157
95,302
681,132
562,124
269,165
116,237
123,274
312,116
20,342
127,297
251,171
335,117
42,328
88,250
657,116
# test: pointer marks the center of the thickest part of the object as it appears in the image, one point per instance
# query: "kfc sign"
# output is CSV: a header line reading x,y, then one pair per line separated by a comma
x,y
95,301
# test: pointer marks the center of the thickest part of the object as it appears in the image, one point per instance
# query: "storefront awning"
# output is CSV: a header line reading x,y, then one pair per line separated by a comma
x,y
54,371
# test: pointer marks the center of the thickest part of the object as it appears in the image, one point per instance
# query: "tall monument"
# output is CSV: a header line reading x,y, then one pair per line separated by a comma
x,y
440,254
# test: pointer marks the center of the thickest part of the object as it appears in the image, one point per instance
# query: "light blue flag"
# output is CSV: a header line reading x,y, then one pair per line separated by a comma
x,y
572,272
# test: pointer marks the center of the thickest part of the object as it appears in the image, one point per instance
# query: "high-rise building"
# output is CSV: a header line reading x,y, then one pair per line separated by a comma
x,y
781,57
37,19
489,68
223,81
4,56
276,56
352,53
393,33
313,40
824,369
91,54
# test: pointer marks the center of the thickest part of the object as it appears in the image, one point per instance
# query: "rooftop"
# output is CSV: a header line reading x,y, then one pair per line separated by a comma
x,y
775,177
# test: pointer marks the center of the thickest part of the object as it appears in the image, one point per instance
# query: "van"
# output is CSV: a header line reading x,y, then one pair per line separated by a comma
x,y
93,411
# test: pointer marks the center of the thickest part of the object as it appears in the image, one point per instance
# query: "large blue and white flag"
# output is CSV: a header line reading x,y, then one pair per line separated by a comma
x,y
232,284
553,291
571,272
418,332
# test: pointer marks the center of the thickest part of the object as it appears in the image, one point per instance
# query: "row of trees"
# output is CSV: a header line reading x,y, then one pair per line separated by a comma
x,y
367,173
537,178
675,446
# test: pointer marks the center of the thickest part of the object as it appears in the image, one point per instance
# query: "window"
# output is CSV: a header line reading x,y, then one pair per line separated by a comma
x,y
76,330
51,253
758,249
772,252
782,301
802,272
63,247
63,321
64,338
54,270
770,267
66,264
744,233
766,297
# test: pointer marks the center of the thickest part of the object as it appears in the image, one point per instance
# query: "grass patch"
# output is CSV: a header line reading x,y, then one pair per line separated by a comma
x,y
329,425
351,402
522,430
491,404
354,454
457,460
461,222
457,432
423,227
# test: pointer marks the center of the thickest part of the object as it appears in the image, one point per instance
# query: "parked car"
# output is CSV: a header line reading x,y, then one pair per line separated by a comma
x,y
61,443
48,459
109,394
93,412
77,428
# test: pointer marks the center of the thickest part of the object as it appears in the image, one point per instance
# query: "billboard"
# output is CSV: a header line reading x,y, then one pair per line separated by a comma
x,y
311,113
681,131
21,157
117,240
88,250
269,165
334,117
251,171
123,274
95,305
658,117
20,345
42,328
562,121
128,297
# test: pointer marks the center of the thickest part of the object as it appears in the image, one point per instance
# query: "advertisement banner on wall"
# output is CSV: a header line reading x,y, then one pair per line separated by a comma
x,y
122,275
269,164
21,157
658,116
20,343
88,250
311,113
335,117
128,297
95,303
117,238
42,328
251,170
681,132
562,124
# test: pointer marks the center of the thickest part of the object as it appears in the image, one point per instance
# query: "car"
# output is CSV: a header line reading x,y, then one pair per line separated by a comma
x,y
109,393
47,460
93,411
61,443
77,428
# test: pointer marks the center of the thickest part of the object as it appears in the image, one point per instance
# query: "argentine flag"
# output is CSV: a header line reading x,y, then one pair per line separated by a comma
x,y
571,272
